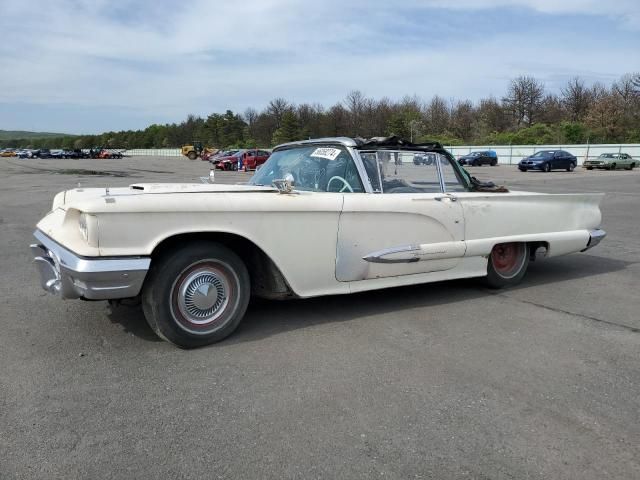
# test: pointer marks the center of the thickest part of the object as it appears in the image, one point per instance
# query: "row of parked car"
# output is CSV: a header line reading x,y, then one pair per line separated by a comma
x,y
239,159
63,153
548,160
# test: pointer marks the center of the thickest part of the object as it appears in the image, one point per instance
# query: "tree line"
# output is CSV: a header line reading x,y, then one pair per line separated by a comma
x,y
526,114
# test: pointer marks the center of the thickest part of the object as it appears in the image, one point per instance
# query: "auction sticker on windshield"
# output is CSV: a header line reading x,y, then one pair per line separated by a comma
x,y
326,152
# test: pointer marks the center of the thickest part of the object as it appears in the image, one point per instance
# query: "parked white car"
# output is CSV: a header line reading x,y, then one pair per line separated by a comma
x,y
321,217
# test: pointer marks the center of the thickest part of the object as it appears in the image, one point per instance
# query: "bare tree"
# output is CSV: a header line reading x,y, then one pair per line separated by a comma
x,y
492,116
576,98
553,110
605,117
524,99
626,91
277,108
437,115
355,103
636,82
250,115
463,119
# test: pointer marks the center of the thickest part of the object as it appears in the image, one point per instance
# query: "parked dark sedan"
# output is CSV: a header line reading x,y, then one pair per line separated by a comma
x,y
547,160
475,159
43,153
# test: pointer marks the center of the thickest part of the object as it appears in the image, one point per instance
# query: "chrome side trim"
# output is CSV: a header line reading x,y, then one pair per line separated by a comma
x,y
418,253
68,275
378,256
595,237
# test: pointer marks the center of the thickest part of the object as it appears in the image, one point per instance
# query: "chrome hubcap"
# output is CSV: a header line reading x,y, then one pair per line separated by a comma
x,y
203,296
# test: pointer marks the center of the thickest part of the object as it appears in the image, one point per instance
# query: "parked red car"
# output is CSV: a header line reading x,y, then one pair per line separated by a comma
x,y
243,159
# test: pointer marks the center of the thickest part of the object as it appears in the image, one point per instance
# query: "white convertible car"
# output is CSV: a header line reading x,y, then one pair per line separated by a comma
x,y
321,217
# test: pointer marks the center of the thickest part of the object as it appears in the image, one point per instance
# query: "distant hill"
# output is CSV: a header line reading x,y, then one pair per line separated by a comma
x,y
19,134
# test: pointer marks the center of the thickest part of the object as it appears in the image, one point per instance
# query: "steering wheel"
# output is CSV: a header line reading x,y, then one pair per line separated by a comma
x,y
346,184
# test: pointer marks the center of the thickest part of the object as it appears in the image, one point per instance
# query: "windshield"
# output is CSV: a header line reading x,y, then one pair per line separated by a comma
x,y
541,154
312,168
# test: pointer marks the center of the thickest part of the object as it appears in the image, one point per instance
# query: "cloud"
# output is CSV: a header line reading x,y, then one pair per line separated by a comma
x,y
163,59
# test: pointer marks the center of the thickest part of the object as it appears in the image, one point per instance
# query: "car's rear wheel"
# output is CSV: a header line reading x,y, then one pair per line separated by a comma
x,y
494,162
546,167
631,165
192,155
589,168
196,295
507,264
571,167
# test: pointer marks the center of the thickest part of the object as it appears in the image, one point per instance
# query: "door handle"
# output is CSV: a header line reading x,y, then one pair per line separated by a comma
x,y
449,197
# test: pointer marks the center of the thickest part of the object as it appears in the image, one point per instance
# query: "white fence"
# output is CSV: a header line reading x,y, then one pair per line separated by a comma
x,y
154,152
507,154
512,154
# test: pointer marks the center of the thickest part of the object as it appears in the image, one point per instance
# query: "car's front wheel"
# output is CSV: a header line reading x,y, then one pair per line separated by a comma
x,y
196,295
546,167
507,264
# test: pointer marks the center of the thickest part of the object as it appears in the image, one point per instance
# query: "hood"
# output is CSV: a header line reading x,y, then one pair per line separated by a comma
x,y
154,188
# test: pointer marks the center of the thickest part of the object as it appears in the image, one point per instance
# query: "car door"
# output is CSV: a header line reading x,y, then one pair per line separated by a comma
x,y
413,228
555,160
262,157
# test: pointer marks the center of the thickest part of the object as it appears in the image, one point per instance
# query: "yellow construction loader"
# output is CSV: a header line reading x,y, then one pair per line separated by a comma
x,y
197,150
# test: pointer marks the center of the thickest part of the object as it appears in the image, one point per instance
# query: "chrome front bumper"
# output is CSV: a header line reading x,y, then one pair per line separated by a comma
x,y
64,273
595,237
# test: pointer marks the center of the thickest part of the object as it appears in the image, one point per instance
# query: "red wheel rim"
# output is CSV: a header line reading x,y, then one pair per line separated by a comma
x,y
507,259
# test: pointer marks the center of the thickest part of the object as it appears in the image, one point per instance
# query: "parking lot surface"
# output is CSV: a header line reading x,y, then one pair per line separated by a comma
x,y
446,380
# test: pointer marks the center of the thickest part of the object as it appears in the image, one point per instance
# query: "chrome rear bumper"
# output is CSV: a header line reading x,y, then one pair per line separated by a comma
x,y
68,275
595,237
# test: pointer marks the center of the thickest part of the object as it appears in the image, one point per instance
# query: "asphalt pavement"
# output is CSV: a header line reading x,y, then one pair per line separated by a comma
x,y
446,380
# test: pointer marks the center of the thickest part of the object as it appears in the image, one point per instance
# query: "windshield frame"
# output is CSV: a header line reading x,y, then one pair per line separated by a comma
x,y
354,148
357,161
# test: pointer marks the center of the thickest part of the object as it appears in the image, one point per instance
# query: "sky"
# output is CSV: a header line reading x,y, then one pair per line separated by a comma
x,y
88,66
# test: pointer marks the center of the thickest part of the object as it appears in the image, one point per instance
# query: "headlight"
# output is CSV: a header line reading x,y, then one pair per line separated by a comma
x,y
83,226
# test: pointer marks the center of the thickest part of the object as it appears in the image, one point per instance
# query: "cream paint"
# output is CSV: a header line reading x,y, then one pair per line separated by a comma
x,y
300,231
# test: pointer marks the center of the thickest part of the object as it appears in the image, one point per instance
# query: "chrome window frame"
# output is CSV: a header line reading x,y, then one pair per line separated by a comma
x,y
354,149
365,177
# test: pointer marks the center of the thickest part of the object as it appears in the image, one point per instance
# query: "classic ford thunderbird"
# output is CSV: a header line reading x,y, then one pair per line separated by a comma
x,y
321,217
